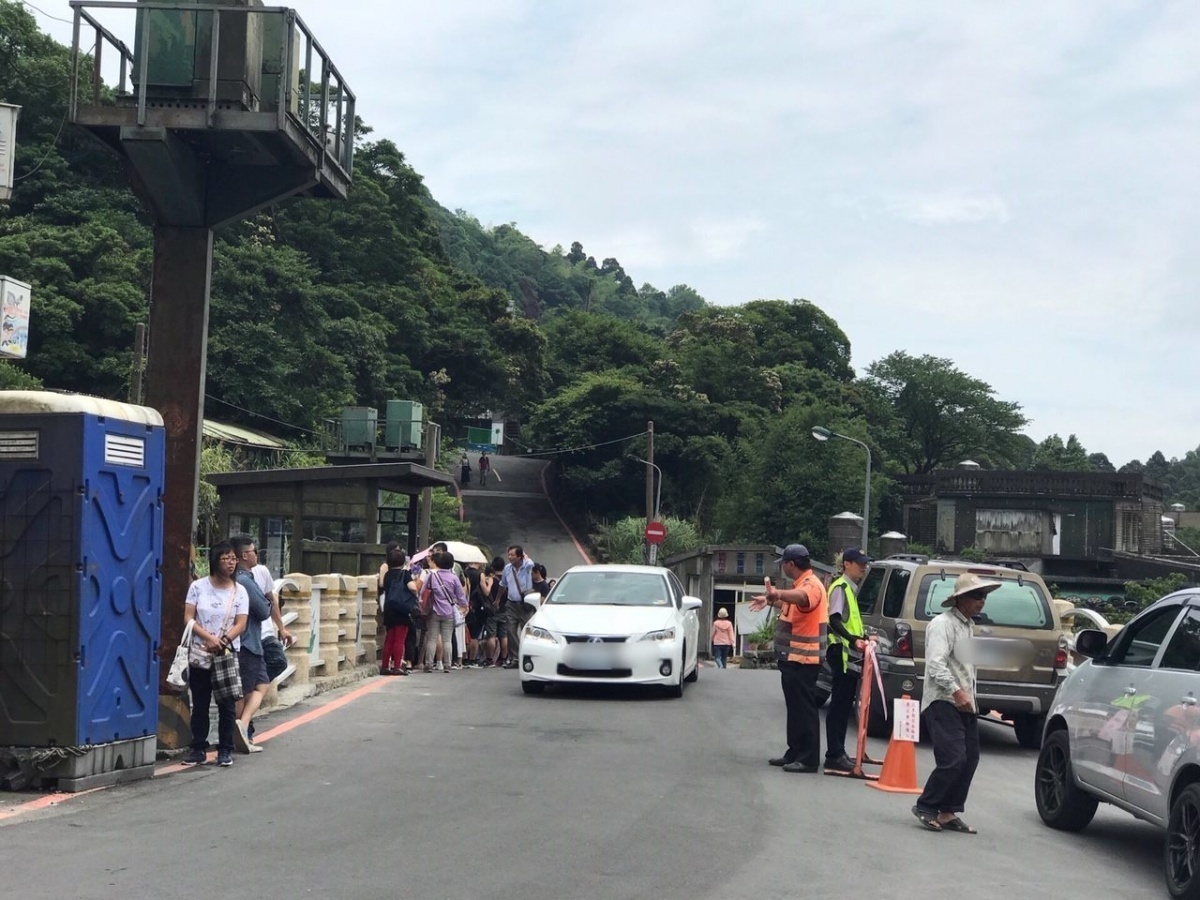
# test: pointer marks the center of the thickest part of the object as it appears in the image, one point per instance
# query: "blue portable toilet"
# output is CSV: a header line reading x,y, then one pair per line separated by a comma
x,y
81,507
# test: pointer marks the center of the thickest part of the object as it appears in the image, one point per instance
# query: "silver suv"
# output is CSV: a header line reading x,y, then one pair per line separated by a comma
x,y
1125,729
1019,632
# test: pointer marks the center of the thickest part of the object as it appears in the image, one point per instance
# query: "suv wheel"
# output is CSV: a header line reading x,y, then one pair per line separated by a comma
x,y
878,725
1061,803
1182,849
1029,730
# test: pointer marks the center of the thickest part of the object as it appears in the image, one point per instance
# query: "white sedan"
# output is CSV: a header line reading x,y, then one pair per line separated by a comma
x,y
613,625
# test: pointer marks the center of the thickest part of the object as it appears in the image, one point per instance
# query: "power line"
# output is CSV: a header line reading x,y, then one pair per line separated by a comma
x,y
251,412
586,447
46,14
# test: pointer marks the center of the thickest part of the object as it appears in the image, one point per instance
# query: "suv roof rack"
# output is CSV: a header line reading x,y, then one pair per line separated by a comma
x,y
920,558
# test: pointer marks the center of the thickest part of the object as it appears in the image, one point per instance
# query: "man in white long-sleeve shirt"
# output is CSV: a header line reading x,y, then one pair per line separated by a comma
x,y
949,708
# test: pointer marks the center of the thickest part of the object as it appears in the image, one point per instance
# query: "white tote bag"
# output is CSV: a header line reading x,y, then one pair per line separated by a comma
x,y
177,677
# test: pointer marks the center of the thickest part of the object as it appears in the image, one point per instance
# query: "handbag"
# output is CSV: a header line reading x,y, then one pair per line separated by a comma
x,y
177,677
197,655
426,600
226,677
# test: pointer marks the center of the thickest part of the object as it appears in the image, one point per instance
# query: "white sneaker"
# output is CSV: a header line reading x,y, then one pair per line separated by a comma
x,y
241,737
254,748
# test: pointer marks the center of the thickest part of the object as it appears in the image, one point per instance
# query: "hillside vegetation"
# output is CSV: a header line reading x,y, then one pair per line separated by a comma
x,y
317,305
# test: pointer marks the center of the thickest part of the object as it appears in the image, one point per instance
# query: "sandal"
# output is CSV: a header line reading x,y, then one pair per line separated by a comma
x,y
928,819
957,824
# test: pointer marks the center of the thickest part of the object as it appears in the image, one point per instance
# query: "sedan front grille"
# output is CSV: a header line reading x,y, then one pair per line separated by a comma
x,y
568,672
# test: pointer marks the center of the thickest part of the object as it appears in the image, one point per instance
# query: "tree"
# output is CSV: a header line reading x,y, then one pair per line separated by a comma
x,y
1100,463
944,415
1053,455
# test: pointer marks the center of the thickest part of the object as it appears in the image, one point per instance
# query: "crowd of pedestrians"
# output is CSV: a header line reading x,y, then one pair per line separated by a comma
x,y
440,616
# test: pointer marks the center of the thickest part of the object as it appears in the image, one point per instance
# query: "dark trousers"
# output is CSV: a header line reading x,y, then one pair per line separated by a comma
x,y
274,657
841,703
721,654
200,682
955,737
803,719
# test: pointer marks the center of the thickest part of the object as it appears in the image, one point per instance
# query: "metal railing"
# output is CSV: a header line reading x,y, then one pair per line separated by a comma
x,y
324,109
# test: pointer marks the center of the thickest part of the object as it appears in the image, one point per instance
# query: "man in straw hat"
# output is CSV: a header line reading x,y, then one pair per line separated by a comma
x,y
949,708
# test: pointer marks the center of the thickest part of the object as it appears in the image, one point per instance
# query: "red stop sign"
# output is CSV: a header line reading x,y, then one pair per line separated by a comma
x,y
656,532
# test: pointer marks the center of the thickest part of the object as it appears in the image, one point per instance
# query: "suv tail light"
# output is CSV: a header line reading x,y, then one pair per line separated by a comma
x,y
1060,656
904,640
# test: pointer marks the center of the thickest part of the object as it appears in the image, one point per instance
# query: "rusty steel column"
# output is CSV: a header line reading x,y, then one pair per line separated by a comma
x,y
179,295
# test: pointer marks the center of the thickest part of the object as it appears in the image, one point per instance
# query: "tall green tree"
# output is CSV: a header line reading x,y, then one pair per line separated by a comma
x,y
1053,455
943,414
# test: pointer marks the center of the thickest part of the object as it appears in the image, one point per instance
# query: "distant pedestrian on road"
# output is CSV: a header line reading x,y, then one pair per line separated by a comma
x,y
949,708
722,638
485,468
465,470
801,633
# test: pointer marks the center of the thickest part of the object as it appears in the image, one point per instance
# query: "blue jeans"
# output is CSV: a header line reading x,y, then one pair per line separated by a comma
x,y
200,681
721,654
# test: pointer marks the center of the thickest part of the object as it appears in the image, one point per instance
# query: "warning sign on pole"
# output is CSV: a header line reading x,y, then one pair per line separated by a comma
x,y
8,147
14,328
906,724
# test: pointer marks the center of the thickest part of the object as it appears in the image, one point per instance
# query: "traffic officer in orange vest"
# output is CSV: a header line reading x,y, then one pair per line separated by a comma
x,y
801,633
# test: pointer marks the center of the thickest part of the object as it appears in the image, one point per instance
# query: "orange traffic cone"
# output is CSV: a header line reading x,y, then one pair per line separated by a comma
x,y
899,772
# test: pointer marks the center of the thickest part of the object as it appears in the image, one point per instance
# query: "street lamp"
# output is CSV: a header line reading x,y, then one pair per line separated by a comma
x,y
823,434
657,501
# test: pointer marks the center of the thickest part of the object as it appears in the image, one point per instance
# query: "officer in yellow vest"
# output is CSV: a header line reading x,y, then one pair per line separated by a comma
x,y
845,633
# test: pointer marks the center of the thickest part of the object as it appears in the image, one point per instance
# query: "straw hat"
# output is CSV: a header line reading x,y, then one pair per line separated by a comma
x,y
969,583
722,614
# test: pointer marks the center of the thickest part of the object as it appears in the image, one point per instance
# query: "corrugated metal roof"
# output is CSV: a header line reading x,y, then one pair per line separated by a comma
x,y
232,434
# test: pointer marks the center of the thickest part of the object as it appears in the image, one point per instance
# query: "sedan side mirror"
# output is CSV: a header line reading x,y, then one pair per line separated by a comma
x,y
1091,642
534,599
692,603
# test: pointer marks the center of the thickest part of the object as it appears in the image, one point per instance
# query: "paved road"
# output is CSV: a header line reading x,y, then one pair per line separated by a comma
x,y
515,510
455,787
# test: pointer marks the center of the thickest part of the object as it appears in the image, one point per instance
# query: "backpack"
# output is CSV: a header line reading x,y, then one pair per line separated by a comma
x,y
400,603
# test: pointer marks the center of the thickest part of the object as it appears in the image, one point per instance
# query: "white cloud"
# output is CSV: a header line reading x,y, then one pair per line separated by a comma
x,y
1011,184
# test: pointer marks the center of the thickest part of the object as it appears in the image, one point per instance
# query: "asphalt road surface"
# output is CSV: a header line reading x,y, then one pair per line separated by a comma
x,y
515,510
457,787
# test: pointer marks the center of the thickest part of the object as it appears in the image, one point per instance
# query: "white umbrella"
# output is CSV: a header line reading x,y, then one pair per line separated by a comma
x,y
463,553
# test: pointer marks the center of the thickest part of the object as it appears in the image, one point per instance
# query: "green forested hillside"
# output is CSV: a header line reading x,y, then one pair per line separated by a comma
x,y
319,304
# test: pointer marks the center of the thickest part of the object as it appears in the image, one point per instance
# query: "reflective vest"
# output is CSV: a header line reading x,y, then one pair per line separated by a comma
x,y
852,620
801,635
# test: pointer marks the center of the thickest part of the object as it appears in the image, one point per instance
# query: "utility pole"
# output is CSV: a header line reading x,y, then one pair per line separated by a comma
x,y
139,363
651,512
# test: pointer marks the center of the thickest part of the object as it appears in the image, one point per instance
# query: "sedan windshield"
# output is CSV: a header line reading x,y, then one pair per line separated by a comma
x,y
610,589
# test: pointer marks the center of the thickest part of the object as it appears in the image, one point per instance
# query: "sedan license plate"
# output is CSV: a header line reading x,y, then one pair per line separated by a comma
x,y
592,656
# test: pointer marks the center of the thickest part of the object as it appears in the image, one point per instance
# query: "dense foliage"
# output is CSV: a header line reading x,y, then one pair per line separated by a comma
x,y
318,304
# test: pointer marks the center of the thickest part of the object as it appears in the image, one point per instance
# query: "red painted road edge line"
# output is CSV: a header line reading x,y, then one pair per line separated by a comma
x,y
303,719
567,528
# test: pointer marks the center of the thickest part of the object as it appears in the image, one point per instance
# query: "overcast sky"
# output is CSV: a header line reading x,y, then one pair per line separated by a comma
x,y
1010,185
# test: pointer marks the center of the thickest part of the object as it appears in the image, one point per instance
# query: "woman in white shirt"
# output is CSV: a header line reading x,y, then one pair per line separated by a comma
x,y
219,606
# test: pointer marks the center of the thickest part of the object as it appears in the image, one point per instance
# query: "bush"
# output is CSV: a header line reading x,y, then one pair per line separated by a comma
x,y
621,542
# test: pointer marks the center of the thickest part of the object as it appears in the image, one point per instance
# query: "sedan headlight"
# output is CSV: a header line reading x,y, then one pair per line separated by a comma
x,y
535,633
667,634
